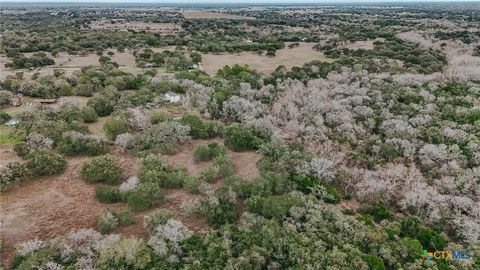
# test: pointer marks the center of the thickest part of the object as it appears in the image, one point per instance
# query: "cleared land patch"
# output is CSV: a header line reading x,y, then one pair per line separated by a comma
x,y
245,162
201,14
296,56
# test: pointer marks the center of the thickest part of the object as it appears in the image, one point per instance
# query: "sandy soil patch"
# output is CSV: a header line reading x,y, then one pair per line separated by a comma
x,y
245,162
81,61
96,127
7,155
124,59
202,14
288,57
364,44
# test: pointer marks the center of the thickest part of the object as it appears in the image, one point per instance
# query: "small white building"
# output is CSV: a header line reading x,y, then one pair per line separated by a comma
x,y
171,97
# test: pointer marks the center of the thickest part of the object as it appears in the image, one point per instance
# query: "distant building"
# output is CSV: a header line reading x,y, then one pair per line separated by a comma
x,y
39,101
171,97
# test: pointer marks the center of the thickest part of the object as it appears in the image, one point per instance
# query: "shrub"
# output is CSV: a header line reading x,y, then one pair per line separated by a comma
x,y
210,174
4,117
164,137
130,184
102,169
145,196
217,149
107,222
158,217
33,143
171,178
276,207
200,129
104,104
125,217
89,114
225,166
191,184
374,262
378,211
202,153
240,138
115,126
107,194
12,174
5,97
327,193
159,116
220,214
75,143
368,219
42,162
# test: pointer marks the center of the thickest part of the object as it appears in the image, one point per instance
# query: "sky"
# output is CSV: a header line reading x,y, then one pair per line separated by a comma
x,y
233,1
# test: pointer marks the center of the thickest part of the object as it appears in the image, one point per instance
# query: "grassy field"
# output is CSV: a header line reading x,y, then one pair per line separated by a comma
x,y
6,137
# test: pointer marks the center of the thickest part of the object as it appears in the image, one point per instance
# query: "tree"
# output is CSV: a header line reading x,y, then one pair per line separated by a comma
x,y
116,126
240,138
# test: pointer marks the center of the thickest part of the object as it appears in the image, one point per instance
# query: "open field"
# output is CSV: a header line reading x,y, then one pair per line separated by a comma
x,y
296,56
121,25
202,14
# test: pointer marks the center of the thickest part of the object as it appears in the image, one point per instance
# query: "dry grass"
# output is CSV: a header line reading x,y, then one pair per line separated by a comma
x,y
96,127
202,14
288,57
53,205
245,162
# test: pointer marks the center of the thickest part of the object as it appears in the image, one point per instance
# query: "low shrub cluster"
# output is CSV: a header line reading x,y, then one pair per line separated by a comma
x,y
75,143
206,153
116,126
240,138
102,169
109,220
200,129
38,163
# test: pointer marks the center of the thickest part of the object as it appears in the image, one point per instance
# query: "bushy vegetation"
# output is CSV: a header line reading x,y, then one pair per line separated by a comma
x,y
240,138
116,126
36,60
365,160
102,169
109,220
74,143
43,162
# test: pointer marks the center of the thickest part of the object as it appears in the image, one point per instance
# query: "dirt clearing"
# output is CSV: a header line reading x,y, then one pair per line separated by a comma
x,y
296,56
245,162
54,205
201,14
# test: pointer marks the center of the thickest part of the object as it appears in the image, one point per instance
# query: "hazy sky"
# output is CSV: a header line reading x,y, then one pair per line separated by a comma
x,y
236,1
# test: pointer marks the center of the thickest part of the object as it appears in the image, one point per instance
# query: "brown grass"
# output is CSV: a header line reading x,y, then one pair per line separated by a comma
x,y
288,57
55,205
245,162
201,14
